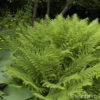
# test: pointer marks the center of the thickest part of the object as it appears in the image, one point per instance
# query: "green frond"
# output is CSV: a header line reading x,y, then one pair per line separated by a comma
x,y
52,86
23,76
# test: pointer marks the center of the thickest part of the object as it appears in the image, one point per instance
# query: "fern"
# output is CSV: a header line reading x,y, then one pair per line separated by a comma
x,y
56,58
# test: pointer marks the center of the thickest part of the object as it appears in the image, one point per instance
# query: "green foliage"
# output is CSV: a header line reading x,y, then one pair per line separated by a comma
x,y
15,93
9,91
1,40
12,92
95,88
21,17
56,58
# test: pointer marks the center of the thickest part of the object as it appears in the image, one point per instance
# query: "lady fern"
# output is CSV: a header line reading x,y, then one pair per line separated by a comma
x,y
56,58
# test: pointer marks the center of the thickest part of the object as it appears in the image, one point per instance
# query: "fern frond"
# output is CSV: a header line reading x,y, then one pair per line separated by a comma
x,y
23,76
53,86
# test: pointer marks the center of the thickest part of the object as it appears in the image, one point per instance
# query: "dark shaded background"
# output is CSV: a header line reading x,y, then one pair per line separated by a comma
x,y
86,9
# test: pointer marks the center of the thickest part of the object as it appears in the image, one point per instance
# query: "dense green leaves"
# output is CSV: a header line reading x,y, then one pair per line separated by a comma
x,y
55,58
2,78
